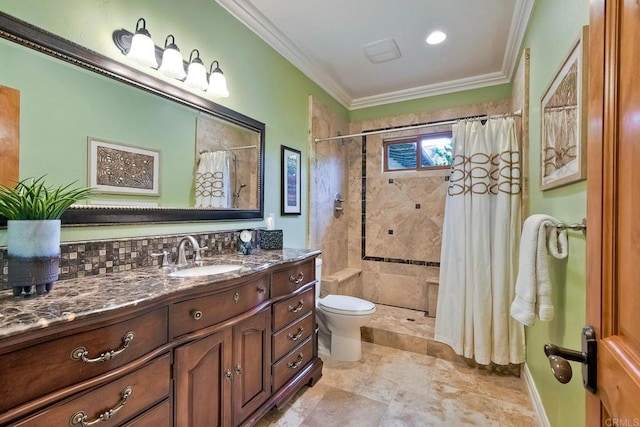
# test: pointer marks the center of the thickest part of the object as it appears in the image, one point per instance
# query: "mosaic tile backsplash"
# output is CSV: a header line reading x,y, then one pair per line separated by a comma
x,y
91,258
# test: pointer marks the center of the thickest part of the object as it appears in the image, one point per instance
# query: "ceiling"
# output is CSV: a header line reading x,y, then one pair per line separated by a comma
x,y
325,39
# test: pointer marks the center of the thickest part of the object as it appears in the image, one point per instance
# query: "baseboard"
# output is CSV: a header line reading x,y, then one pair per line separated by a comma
x,y
538,408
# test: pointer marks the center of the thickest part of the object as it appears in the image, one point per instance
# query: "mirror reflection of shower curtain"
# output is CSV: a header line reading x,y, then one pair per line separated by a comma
x,y
213,180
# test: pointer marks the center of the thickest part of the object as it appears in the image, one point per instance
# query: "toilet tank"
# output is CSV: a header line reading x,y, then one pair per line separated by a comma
x,y
318,277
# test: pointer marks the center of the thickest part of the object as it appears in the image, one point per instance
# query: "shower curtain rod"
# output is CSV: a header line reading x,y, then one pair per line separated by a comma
x,y
229,149
423,125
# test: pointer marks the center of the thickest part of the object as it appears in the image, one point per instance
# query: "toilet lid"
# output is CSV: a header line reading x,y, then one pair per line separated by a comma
x,y
344,304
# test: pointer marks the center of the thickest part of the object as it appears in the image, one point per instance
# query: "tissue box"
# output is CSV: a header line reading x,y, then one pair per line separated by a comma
x,y
270,239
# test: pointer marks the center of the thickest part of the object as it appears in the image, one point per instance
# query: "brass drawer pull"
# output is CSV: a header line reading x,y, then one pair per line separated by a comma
x,y
196,314
262,290
297,280
294,365
228,375
80,417
297,336
238,369
236,297
297,308
81,353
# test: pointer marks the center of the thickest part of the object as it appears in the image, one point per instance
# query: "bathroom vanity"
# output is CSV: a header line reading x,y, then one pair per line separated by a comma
x,y
142,348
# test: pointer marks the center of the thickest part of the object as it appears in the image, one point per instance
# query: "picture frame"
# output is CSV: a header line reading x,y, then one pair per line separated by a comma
x,y
116,168
563,120
291,182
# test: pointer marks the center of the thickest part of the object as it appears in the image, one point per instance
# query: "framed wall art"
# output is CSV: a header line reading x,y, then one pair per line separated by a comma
x,y
291,170
563,121
122,169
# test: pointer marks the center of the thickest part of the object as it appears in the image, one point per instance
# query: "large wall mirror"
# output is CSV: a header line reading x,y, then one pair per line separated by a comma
x,y
78,105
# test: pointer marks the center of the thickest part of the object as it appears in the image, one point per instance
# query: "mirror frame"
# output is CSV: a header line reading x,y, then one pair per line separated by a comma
x,y
30,36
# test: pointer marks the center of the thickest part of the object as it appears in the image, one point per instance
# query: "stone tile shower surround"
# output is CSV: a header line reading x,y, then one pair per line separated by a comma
x,y
328,176
91,258
395,219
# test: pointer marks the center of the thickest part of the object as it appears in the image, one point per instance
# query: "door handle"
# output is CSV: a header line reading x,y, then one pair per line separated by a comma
x,y
588,357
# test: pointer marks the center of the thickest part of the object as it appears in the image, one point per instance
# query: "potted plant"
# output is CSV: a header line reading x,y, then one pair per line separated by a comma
x,y
33,213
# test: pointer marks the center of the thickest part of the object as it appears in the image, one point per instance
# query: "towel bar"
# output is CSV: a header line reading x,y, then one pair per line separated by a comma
x,y
576,227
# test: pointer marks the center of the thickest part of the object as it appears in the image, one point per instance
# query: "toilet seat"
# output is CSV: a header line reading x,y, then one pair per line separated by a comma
x,y
346,305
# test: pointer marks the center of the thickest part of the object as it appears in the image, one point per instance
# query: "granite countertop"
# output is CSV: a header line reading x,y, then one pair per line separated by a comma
x,y
77,298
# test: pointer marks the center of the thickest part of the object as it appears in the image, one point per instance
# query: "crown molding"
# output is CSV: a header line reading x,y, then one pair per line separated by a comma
x,y
519,22
246,13
451,86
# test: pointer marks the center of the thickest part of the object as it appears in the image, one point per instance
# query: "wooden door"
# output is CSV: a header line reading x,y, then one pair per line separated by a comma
x,y
203,378
9,135
613,210
251,365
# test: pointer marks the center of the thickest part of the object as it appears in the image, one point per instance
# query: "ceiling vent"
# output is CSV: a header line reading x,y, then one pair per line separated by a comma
x,y
382,51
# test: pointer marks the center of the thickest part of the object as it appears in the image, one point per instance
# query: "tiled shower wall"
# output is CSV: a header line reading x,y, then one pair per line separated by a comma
x,y
391,226
90,258
395,218
328,170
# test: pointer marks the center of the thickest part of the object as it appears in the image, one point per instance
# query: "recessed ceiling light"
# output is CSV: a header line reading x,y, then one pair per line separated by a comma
x,y
436,37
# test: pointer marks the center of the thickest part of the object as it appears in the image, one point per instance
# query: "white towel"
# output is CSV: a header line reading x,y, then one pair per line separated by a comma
x,y
533,285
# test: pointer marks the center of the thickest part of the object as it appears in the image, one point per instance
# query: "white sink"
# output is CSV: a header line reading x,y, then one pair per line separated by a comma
x,y
206,270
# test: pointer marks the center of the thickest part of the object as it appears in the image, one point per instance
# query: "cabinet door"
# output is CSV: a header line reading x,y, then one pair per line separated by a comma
x,y
203,379
251,364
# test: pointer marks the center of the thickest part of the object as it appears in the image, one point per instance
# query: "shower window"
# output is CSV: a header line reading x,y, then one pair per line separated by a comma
x,y
421,152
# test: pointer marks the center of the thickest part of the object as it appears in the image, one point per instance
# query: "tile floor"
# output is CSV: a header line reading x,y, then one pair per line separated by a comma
x,y
395,387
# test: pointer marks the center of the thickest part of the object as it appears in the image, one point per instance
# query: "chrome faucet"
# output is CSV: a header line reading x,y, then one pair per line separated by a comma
x,y
182,257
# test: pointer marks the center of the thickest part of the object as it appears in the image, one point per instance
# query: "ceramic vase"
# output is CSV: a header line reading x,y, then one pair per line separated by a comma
x,y
33,247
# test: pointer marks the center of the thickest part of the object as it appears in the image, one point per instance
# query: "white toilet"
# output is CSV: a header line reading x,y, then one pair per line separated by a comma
x,y
340,317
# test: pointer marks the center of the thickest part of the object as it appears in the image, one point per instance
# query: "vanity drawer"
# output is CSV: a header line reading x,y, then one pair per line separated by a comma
x,y
293,308
198,313
158,416
289,337
285,282
40,369
289,365
126,396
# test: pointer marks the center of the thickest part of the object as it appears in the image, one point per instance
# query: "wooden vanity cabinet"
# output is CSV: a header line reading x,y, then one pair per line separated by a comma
x,y
112,403
202,377
251,385
51,364
293,346
222,354
222,378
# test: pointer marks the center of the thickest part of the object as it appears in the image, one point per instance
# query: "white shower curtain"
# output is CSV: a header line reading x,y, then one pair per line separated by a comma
x,y
212,180
481,233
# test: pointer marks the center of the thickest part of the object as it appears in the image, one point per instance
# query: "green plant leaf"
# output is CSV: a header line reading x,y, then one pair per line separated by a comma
x,y
31,199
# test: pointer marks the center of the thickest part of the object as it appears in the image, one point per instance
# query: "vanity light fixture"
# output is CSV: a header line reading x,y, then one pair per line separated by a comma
x,y
436,37
217,81
142,50
196,73
172,63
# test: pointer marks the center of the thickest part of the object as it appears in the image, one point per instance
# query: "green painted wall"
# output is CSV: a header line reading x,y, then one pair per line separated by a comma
x,y
450,100
553,29
265,86
59,113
